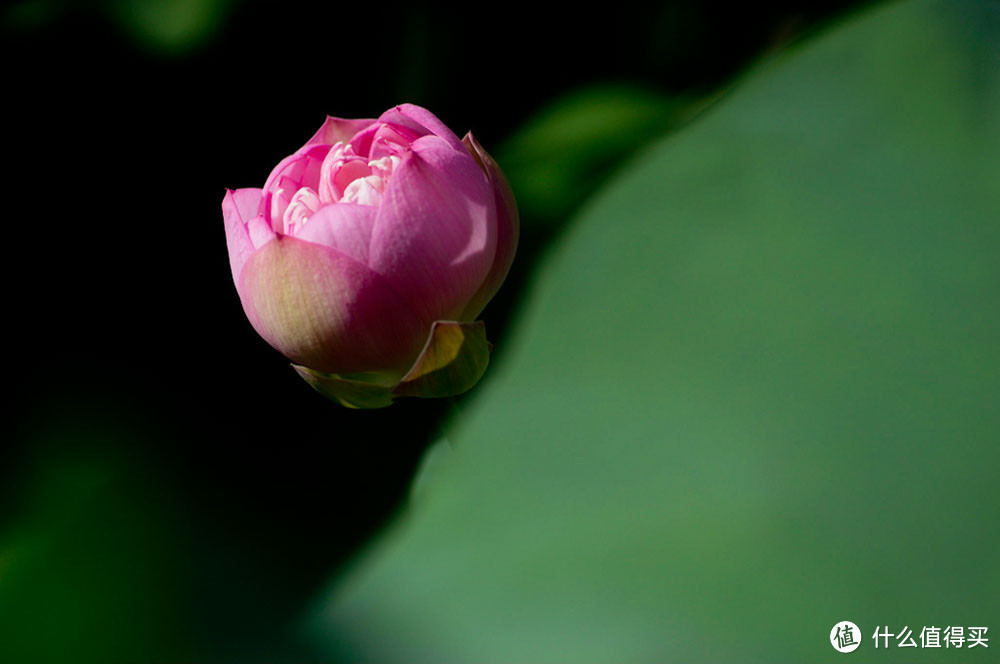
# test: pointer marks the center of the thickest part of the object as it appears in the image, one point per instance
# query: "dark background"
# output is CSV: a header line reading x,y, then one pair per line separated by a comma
x,y
166,477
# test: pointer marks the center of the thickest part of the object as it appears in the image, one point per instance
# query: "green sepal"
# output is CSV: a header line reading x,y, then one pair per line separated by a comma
x,y
451,362
347,391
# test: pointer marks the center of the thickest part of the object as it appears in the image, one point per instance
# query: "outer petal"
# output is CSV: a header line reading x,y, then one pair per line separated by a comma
x,y
324,310
435,232
508,230
421,121
334,130
238,207
247,202
345,227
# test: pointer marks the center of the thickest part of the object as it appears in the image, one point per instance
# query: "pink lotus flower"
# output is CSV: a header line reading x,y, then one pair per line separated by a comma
x,y
370,251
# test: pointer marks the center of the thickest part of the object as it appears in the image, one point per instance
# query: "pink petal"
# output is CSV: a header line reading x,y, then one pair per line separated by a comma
x,y
260,232
302,167
364,191
361,143
247,202
234,205
421,121
392,140
508,230
277,200
326,311
303,205
291,174
342,226
339,169
335,130
435,232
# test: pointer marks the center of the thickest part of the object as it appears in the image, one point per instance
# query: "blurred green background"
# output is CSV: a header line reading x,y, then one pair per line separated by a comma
x,y
753,394
745,382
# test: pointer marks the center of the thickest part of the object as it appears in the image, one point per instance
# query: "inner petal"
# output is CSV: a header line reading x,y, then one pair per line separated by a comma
x,y
391,140
303,205
384,167
364,191
341,167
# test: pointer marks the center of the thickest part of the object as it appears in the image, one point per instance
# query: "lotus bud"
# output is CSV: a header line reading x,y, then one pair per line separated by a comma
x,y
369,253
